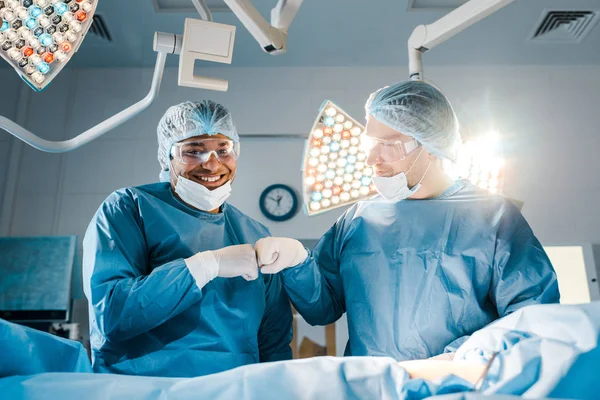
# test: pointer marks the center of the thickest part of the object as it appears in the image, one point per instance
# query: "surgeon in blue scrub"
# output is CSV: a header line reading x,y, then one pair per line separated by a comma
x,y
429,261
170,270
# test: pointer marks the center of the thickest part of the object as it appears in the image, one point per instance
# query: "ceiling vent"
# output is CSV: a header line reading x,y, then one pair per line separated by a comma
x,y
431,5
186,6
99,28
565,26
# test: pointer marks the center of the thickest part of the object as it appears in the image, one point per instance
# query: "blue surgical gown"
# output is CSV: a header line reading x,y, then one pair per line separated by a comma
x,y
419,275
148,317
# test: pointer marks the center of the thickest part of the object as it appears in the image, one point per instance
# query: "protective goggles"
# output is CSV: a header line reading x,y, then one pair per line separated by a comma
x,y
387,150
200,151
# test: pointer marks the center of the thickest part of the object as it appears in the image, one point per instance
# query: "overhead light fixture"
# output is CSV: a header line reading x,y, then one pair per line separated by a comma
x,y
204,40
39,37
164,44
271,37
334,169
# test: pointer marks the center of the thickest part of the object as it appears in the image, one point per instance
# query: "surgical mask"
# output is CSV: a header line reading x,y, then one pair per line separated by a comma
x,y
199,196
395,188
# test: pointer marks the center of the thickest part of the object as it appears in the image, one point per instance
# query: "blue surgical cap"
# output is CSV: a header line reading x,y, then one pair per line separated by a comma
x,y
187,120
417,109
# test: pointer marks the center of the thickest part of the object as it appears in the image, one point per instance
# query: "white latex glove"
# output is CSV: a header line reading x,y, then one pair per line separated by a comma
x,y
275,254
228,262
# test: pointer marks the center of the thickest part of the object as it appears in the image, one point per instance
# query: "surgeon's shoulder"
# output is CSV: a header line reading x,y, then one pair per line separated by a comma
x,y
351,215
363,208
504,208
355,210
125,200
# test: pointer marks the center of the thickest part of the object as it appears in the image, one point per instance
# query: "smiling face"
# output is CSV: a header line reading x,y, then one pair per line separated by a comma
x,y
211,173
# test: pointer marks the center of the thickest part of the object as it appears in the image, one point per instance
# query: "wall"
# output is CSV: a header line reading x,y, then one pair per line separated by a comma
x,y
547,115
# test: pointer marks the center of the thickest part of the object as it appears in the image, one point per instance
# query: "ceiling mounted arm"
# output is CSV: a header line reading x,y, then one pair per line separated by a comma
x,y
284,13
98,130
426,37
271,37
203,10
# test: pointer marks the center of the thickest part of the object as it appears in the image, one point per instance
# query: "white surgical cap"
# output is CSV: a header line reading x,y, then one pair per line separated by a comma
x,y
418,109
187,120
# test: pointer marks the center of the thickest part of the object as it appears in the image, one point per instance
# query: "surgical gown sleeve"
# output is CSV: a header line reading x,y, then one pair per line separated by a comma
x,y
522,272
315,287
275,333
127,299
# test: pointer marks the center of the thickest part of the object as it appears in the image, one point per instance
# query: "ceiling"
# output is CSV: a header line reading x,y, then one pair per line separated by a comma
x,y
348,33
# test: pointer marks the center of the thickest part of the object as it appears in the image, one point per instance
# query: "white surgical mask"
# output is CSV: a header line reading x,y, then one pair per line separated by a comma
x,y
395,188
199,196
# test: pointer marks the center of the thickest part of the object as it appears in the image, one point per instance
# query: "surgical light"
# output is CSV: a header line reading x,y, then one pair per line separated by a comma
x,y
271,37
341,182
29,26
481,162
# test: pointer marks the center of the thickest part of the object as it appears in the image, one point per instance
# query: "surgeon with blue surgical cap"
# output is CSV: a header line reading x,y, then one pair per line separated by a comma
x,y
429,261
170,270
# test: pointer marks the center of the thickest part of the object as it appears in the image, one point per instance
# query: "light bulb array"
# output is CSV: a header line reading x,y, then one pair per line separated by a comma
x,y
39,37
334,172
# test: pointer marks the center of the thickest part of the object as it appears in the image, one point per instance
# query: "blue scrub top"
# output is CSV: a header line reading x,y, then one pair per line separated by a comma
x,y
148,317
419,275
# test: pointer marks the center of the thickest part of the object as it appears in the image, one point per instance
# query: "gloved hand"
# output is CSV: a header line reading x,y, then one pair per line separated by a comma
x,y
237,261
275,254
228,262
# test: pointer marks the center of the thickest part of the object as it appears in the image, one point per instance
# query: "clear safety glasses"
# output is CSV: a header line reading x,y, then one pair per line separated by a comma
x,y
387,150
200,151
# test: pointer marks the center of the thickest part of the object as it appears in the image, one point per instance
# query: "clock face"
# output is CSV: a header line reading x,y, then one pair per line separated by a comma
x,y
278,202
